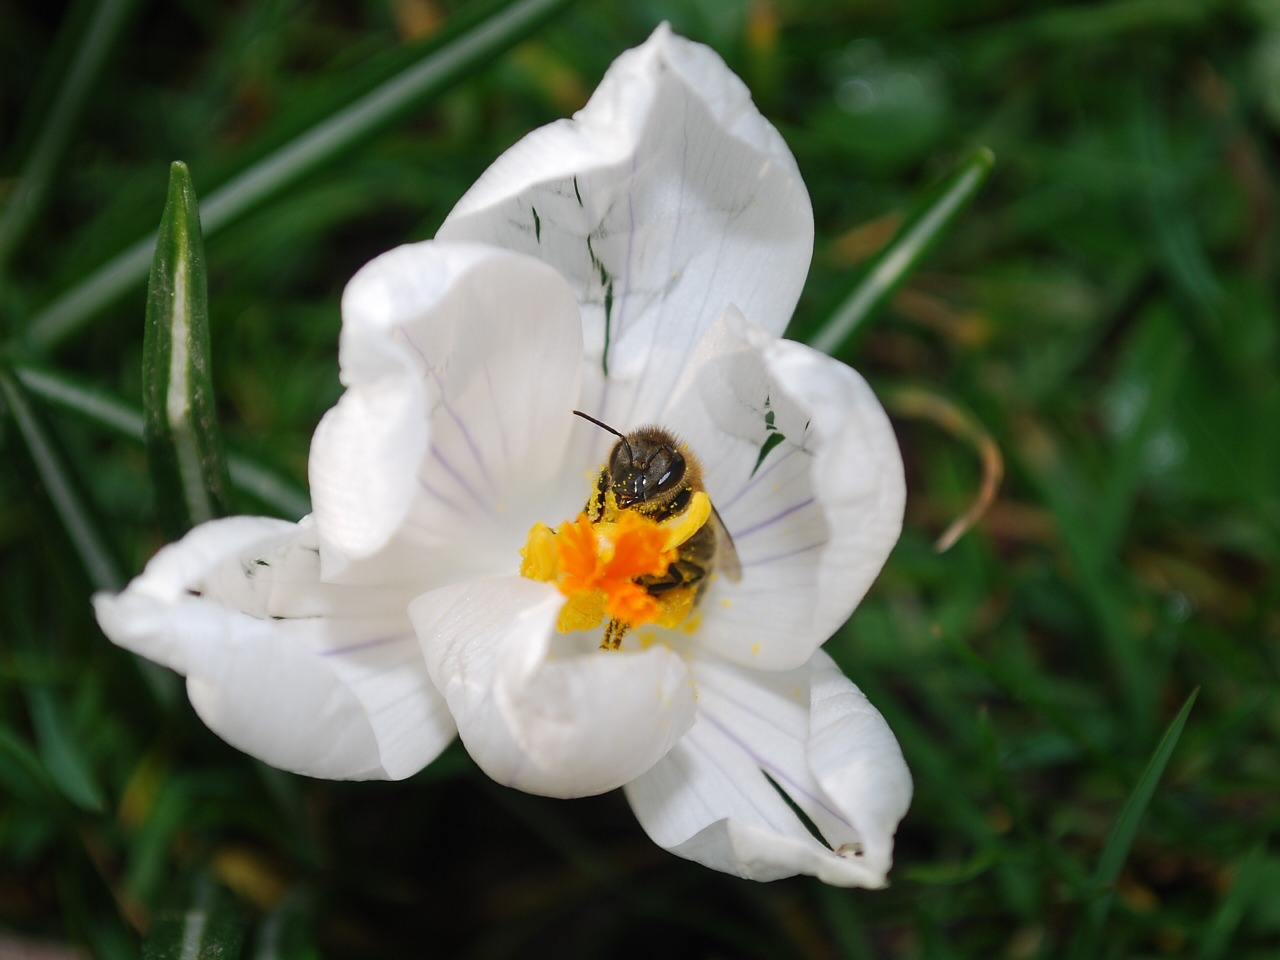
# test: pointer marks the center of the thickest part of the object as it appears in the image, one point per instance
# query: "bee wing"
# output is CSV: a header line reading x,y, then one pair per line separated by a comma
x,y
727,561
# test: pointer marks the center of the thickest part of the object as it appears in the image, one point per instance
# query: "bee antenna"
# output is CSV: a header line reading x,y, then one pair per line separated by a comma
x,y
604,426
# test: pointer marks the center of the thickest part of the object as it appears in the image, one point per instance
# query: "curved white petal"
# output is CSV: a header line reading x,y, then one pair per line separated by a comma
x,y
663,200
809,731
318,679
803,467
543,712
462,363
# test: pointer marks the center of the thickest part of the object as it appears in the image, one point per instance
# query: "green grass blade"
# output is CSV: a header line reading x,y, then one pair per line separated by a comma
x,y
108,411
94,405
918,235
56,121
60,752
1118,844
208,928
267,487
184,442
287,932
1246,887
845,924
61,487
22,774
444,63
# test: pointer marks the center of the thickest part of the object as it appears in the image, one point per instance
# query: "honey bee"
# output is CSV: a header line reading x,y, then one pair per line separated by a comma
x,y
651,472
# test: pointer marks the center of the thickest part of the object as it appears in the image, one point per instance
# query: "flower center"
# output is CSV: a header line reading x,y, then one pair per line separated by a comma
x,y
615,567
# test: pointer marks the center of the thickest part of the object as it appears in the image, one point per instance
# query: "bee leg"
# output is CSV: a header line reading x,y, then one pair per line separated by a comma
x,y
614,631
595,503
682,573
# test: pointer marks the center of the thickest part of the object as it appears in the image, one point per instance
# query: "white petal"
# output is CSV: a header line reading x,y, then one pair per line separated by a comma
x,y
814,520
541,711
666,198
314,678
462,364
857,760
815,736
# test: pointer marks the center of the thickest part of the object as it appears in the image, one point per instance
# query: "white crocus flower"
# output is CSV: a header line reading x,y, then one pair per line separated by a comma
x,y
639,263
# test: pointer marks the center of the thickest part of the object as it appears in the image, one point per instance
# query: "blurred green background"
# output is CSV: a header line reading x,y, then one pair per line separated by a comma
x,y
1101,321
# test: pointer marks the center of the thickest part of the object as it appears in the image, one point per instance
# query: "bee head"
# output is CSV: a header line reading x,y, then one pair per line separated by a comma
x,y
644,467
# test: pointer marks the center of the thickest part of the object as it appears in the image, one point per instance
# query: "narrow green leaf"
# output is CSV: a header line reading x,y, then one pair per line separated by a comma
x,y
21,772
842,919
62,488
445,61
268,487
184,442
1118,844
60,753
1246,887
55,119
151,846
106,410
96,406
1143,393
287,932
208,929
918,235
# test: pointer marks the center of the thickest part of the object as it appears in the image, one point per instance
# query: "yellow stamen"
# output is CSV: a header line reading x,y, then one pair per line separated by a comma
x,y
597,565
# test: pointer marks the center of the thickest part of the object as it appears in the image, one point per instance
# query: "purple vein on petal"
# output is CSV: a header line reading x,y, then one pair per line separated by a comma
x,y
710,757
364,645
624,299
762,561
743,533
448,407
461,481
759,476
440,497
780,776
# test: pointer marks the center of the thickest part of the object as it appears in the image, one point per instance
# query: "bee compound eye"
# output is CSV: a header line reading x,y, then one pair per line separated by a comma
x,y
620,461
669,466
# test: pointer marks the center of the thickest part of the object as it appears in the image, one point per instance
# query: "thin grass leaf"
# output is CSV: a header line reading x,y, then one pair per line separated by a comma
x,y
21,772
1144,393
208,929
61,753
1118,844
844,923
268,487
913,242
286,933
184,442
1067,493
94,405
60,485
1227,919
447,60
75,76
110,412
1186,262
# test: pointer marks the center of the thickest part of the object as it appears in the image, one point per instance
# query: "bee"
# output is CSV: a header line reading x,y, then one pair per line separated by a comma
x,y
651,472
